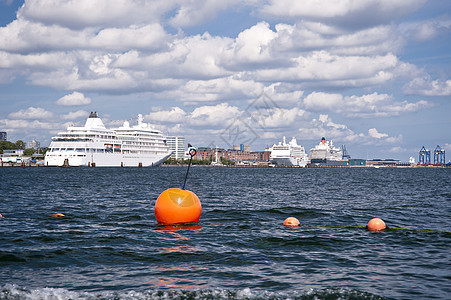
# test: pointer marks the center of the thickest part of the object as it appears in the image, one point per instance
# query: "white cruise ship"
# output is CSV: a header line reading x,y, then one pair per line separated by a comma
x,y
288,154
96,146
326,153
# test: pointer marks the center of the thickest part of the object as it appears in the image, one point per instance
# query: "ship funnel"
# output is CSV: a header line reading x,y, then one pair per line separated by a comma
x,y
323,141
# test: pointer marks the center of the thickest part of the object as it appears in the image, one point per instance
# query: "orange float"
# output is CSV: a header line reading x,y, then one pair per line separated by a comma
x,y
291,221
175,205
58,215
376,224
1,216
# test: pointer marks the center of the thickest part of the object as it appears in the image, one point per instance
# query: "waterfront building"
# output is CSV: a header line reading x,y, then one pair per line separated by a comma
x,y
35,145
12,153
242,147
177,145
387,163
356,162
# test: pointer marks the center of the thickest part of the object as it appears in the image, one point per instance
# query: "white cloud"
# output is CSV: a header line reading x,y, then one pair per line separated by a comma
x,y
375,134
428,87
195,91
31,113
425,30
75,115
345,13
333,70
370,105
10,125
323,101
100,13
251,47
192,13
325,127
25,37
174,115
220,114
76,45
270,118
73,99
284,94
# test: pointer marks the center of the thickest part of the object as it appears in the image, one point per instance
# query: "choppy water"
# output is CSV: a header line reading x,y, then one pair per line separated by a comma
x,y
109,244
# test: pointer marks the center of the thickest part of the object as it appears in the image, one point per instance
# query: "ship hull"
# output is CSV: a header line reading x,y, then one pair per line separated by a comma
x,y
326,162
288,161
107,160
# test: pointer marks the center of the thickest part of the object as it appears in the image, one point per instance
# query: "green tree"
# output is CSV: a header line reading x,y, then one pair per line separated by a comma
x,y
20,145
5,145
28,152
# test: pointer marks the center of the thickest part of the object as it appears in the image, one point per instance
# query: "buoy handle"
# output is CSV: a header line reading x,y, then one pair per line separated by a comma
x,y
191,151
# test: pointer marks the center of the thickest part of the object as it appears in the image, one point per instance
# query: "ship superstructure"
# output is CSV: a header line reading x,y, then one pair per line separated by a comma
x,y
325,153
288,154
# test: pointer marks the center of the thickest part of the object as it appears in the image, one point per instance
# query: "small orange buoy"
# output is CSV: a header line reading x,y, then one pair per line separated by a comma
x,y
58,215
376,224
1,216
177,206
291,221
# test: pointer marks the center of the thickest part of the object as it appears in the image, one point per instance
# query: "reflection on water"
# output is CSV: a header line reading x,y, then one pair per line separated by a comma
x,y
174,284
177,278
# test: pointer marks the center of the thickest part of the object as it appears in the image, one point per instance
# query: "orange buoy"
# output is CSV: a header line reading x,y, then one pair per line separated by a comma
x,y
58,215
1,216
291,221
177,206
376,224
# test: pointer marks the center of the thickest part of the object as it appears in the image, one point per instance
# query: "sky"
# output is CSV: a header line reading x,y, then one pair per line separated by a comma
x,y
373,75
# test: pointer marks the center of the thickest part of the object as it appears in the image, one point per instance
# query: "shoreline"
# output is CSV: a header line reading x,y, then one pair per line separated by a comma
x,y
309,166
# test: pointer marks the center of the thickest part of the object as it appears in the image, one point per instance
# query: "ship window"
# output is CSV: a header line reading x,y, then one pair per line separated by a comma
x,y
80,150
70,149
108,148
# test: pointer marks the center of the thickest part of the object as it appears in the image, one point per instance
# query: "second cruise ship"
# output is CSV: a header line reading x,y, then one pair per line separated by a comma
x,y
288,154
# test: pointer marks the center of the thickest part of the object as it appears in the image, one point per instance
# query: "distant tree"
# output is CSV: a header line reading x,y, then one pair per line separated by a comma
x,y
5,145
20,145
225,161
28,152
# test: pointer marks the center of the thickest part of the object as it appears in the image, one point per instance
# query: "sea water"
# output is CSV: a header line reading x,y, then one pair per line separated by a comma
x,y
109,244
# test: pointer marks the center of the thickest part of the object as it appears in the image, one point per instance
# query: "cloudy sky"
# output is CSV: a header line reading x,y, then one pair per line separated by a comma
x,y
374,75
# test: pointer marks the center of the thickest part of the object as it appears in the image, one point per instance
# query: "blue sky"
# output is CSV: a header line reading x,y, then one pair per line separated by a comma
x,y
373,75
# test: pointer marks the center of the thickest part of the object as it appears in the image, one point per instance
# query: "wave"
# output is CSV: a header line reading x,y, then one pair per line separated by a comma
x,y
12,291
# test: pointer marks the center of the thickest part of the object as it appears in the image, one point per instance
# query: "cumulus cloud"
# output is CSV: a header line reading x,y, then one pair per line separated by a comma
x,y
370,105
174,115
73,99
343,13
31,113
325,127
426,30
109,53
212,115
75,115
375,134
8,125
428,87
195,12
100,13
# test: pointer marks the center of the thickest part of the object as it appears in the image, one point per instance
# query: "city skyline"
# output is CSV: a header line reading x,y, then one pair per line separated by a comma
x,y
371,75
